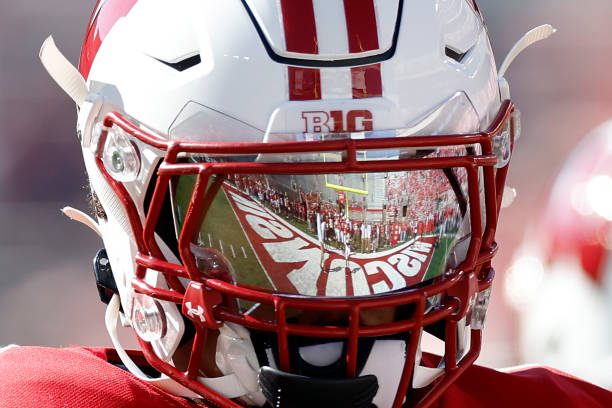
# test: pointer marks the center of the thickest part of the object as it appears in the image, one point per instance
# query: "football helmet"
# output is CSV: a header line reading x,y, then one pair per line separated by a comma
x,y
293,194
570,260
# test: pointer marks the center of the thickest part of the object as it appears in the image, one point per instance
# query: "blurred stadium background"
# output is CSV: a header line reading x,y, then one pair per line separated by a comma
x,y
47,295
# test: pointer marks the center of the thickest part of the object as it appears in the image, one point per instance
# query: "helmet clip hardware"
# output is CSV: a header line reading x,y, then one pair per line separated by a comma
x,y
105,281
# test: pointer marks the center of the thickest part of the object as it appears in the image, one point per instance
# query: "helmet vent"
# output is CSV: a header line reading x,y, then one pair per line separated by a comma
x,y
184,63
455,55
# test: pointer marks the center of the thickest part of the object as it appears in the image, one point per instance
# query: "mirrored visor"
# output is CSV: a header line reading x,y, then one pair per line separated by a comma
x,y
337,235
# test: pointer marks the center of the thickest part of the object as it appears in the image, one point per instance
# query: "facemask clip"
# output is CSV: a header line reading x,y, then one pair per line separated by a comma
x,y
198,305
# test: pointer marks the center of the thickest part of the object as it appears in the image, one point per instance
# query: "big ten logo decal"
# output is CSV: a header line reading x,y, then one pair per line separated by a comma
x,y
337,121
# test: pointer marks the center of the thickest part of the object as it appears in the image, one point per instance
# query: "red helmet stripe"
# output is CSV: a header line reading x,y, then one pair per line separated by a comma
x,y
367,81
104,18
361,25
304,83
301,36
300,26
363,36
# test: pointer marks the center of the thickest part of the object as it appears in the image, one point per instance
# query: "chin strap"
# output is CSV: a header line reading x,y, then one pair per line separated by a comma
x,y
527,40
531,37
423,376
62,71
240,379
111,318
229,385
80,216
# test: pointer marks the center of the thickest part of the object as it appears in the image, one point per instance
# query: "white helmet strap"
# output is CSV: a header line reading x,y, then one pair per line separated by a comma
x,y
531,37
63,72
229,385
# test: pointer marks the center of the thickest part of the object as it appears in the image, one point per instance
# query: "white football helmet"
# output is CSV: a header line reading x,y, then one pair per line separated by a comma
x,y
292,194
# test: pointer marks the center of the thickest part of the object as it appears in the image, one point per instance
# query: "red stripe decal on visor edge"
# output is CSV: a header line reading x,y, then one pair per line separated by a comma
x,y
301,36
363,36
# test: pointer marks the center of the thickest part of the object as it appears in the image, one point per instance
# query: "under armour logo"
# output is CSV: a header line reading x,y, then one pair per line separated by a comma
x,y
193,312
199,303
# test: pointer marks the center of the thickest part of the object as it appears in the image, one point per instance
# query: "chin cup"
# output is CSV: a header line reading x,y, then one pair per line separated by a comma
x,y
284,390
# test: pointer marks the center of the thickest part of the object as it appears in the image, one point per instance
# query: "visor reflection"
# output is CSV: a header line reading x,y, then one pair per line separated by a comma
x,y
329,235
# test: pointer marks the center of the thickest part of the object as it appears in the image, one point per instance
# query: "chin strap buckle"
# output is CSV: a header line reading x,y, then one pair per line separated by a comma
x,y
105,281
198,305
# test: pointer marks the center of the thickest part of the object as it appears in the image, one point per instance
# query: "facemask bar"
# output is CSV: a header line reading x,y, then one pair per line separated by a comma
x,y
459,288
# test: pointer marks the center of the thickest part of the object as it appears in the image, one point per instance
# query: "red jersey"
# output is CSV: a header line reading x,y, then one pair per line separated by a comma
x,y
34,377
525,387
41,377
